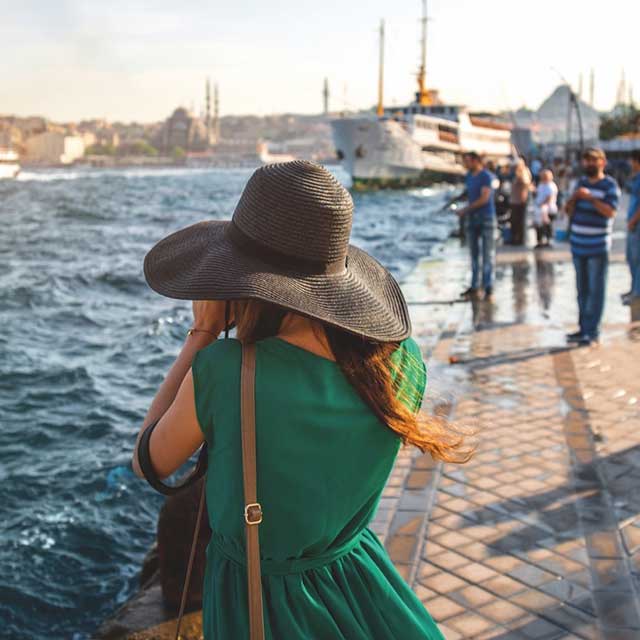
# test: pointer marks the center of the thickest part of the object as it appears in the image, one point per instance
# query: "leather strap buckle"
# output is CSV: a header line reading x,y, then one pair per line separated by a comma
x,y
253,513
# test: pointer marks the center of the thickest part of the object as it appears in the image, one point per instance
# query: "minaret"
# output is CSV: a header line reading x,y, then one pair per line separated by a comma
x,y
216,113
325,97
622,89
380,109
592,86
207,117
580,86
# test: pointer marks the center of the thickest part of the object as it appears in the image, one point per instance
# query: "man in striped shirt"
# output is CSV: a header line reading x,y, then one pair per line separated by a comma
x,y
592,208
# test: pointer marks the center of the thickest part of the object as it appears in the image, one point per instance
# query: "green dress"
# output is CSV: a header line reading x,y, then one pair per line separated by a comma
x,y
323,459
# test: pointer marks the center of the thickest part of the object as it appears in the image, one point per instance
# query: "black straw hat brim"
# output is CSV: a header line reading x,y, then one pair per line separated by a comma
x,y
201,262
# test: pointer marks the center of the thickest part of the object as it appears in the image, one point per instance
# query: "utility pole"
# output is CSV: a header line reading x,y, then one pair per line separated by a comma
x,y
592,87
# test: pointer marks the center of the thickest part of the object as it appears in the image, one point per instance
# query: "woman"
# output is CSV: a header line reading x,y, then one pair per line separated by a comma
x,y
546,208
518,202
338,385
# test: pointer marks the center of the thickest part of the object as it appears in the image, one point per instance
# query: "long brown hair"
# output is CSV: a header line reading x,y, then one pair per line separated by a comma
x,y
369,368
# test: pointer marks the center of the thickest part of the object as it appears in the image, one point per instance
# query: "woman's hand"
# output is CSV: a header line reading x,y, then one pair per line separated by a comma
x,y
208,315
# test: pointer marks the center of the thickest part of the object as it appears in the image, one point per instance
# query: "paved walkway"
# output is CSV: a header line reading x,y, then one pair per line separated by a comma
x,y
538,536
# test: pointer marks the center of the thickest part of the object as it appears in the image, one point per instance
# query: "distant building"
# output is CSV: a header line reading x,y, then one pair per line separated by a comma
x,y
31,125
549,122
10,137
184,130
88,138
54,147
98,132
108,137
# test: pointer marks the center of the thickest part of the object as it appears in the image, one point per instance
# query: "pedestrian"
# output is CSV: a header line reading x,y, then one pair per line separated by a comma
x,y
481,226
633,231
536,168
338,384
545,208
463,195
592,207
502,194
520,188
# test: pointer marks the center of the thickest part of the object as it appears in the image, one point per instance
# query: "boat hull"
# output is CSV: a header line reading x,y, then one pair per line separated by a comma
x,y
381,154
422,179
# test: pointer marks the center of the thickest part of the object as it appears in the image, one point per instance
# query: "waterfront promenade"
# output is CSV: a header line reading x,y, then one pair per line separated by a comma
x,y
538,536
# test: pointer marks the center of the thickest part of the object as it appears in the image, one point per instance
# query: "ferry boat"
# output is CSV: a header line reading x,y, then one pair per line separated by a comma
x,y
417,144
9,164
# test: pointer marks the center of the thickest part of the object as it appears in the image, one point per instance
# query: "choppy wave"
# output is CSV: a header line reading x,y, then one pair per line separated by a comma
x,y
53,175
84,345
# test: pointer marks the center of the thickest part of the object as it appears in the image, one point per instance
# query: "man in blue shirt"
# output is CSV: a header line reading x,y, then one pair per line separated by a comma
x,y
592,207
633,231
480,216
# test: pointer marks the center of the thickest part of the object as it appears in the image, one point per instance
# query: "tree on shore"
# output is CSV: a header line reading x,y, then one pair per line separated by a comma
x,y
178,154
623,121
101,150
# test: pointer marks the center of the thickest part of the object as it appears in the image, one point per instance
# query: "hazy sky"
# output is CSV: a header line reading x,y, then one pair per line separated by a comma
x,y
71,59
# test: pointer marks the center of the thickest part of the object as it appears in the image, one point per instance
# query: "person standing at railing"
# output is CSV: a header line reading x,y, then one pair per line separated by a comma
x,y
520,189
592,207
480,216
545,208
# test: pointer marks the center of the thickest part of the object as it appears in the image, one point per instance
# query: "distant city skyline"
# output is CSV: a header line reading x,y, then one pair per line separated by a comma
x,y
73,60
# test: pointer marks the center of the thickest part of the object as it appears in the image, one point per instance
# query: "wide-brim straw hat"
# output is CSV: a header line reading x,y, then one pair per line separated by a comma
x,y
287,243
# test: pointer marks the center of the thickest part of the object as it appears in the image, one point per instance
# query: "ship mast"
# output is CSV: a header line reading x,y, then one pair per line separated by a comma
x,y
423,97
380,109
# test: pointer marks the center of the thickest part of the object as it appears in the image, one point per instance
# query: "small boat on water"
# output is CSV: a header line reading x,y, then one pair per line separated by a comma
x,y
9,164
418,144
266,157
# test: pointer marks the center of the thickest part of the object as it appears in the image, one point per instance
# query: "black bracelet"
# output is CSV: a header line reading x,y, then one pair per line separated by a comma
x,y
144,460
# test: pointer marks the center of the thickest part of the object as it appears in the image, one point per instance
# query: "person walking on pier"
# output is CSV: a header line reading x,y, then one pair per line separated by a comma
x,y
480,216
337,383
633,232
545,209
592,207
520,189
536,168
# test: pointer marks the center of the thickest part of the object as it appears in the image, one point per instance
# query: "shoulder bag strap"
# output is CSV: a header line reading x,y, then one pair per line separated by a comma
x,y
252,508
